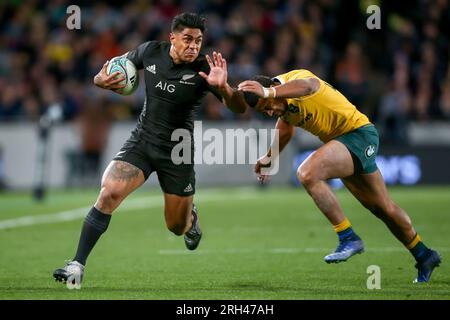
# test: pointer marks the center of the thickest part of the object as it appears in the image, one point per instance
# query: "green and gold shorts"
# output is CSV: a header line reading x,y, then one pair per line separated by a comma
x,y
363,145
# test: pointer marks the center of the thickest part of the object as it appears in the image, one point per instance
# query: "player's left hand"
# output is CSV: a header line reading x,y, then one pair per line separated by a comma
x,y
251,86
218,74
109,82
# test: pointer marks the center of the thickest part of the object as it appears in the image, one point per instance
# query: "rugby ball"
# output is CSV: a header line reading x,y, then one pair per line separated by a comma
x,y
128,69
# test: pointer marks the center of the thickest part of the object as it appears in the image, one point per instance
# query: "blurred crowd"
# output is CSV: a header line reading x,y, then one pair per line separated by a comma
x,y
395,74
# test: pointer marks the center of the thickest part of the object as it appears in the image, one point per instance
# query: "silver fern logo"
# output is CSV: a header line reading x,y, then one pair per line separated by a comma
x,y
186,77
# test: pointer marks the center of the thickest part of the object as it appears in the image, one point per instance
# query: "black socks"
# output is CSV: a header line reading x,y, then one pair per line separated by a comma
x,y
95,224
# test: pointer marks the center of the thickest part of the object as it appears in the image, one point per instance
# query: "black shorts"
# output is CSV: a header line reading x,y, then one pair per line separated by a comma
x,y
173,178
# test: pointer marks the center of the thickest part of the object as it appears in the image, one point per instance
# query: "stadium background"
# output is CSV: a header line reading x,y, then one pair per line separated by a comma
x,y
398,75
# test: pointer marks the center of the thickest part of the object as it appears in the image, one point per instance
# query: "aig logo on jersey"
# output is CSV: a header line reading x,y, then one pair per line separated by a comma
x,y
164,86
370,150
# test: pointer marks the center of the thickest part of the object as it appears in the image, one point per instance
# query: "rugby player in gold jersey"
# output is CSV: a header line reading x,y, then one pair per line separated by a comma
x,y
301,99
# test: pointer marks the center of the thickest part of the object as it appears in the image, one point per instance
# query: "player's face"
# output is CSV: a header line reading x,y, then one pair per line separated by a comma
x,y
186,44
272,107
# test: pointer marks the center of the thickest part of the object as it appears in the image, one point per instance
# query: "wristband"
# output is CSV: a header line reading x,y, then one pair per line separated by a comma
x,y
265,161
269,92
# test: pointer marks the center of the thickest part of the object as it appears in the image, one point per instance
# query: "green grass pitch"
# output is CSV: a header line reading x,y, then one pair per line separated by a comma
x,y
257,244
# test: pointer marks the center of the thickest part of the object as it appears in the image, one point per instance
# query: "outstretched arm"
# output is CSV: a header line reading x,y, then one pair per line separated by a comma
x,y
285,133
218,77
292,89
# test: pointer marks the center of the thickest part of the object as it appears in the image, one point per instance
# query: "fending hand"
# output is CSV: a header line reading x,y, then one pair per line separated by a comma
x,y
218,74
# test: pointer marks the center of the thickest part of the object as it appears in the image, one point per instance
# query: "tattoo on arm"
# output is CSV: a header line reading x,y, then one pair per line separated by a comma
x,y
124,171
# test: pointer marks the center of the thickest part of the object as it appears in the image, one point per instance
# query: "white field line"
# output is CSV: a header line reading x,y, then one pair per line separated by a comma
x,y
132,204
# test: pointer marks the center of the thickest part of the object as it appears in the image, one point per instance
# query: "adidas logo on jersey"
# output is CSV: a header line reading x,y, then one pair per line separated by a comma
x,y
151,68
188,188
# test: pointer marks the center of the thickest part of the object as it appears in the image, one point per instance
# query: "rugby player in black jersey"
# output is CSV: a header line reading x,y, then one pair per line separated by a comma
x,y
177,77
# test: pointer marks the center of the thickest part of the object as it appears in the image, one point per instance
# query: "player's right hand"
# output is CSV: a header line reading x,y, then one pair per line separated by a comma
x,y
262,163
252,86
109,82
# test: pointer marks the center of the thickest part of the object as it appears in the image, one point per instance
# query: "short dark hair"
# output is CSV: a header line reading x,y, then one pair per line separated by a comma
x,y
188,20
251,98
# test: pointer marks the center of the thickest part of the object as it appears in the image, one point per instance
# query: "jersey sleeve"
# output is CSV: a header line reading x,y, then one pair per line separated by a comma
x,y
294,75
137,55
280,78
215,92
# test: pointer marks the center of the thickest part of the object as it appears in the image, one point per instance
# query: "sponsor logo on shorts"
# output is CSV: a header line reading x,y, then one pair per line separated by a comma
x,y
370,151
120,153
188,188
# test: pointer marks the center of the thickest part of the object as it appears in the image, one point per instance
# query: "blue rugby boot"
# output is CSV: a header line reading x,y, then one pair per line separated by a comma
x,y
345,249
427,265
193,236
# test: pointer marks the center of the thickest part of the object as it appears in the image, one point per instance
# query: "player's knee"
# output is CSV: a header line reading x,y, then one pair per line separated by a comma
x,y
108,199
306,176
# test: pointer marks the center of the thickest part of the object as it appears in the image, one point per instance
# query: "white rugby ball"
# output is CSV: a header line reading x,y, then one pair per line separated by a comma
x,y
128,69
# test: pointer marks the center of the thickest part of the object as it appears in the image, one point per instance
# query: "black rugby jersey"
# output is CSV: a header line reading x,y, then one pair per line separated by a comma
x,y
173,91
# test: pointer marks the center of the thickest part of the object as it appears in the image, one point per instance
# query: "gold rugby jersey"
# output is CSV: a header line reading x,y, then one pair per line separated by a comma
x,y
325,113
